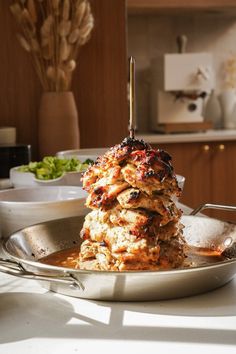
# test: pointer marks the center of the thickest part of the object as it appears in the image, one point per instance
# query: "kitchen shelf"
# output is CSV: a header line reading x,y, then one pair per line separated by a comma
x,y
210,135
150,6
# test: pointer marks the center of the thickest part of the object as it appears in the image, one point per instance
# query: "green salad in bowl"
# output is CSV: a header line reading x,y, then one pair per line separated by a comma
x,y
51,171
53,167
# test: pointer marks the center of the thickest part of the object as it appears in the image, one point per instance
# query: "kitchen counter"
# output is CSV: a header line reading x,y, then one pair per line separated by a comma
x,y
210,135
34,320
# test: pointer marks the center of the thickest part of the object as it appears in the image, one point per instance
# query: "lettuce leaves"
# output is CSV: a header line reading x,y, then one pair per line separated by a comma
x,y
52,167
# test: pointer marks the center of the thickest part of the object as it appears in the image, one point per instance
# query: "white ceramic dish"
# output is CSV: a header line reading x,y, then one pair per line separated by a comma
x,y
27,206
20,179
27,179
82,154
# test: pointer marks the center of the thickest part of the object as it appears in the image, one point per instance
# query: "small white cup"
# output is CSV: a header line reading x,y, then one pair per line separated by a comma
x,y
7,135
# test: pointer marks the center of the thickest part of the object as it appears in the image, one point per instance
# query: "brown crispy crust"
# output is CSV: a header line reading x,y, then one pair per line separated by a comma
x,y
131,163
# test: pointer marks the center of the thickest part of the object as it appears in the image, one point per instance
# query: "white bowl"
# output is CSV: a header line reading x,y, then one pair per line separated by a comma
x,y
82,154
20,208
20,179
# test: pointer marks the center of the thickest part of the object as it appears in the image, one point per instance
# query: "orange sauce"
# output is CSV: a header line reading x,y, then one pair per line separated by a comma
x,y
65,258
195,256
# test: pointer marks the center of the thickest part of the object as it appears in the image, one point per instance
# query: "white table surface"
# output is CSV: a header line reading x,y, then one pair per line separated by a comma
x,y
34,320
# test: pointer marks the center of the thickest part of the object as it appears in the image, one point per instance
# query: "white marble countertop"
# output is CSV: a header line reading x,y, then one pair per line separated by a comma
x,y
34,320
208,136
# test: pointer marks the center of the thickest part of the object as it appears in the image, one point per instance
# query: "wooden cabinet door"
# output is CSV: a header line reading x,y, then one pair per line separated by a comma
x,y
193,162
210,172
223,177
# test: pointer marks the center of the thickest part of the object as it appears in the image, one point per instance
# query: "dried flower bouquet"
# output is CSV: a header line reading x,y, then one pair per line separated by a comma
x,y
52,31
230,73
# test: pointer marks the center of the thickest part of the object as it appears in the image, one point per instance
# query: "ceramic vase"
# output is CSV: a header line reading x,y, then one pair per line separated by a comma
x,y
228,103
213,111
58,127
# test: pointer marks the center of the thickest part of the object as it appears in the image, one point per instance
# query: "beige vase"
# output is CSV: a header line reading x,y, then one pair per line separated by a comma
x,y
58,127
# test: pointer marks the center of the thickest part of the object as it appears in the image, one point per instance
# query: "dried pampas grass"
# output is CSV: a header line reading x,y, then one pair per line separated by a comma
x,y
52,31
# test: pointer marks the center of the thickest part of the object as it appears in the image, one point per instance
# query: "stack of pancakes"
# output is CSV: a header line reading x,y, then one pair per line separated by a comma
x,y
134,223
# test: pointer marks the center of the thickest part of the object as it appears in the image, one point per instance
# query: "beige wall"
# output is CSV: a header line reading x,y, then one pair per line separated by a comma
x,y
151,36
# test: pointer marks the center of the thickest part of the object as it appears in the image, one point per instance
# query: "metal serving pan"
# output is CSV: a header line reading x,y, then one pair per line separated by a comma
x,y
24,248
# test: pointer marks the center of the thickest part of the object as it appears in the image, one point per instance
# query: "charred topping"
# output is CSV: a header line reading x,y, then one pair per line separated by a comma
x,y
134,195
139,151
151,215
151,158
157,192
149,163
99,190
120,151
164,156
101,200
150,173
103,244
134,144
230,252
127,146
84,234
151,155
160,175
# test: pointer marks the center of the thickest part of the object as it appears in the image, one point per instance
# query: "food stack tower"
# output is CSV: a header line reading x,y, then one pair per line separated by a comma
x,y
134,223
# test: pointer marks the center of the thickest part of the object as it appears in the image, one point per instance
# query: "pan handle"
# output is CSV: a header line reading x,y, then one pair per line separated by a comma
x,y
213,206
11,267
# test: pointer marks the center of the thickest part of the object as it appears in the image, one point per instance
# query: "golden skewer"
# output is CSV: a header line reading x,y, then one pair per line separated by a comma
x,y
131,97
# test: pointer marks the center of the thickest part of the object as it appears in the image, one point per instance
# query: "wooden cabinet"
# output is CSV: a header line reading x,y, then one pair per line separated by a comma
x,y
210,171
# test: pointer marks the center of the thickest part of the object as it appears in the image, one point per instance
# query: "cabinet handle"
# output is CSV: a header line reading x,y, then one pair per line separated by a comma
x,y
221,147
206,148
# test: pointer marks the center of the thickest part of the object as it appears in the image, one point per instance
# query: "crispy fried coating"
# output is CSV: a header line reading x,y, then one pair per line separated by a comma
x,y
131,163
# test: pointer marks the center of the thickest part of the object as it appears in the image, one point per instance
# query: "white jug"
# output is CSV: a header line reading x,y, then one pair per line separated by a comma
x,y
228,104
213,111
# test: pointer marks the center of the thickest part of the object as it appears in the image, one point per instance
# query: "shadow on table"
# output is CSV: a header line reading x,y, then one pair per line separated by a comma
x,y
52,316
